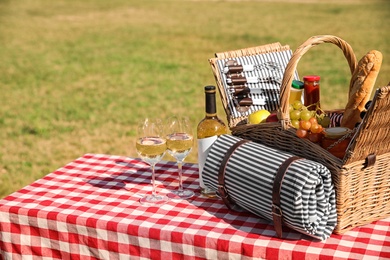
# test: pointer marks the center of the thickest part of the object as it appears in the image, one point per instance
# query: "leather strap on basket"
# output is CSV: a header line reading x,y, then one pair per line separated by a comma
x,y
222,191
276,208
370,160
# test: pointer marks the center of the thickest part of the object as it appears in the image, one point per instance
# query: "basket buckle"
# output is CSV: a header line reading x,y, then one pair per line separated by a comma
x,y
370,160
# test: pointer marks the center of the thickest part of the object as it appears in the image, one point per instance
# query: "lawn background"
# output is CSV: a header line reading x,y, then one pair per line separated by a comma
x,y
76,76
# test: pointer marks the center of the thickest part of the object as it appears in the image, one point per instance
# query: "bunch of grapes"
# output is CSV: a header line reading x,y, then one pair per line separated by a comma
x,y
309,123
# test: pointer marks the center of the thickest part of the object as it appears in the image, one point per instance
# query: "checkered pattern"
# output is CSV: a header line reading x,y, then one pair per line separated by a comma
x,y
89,209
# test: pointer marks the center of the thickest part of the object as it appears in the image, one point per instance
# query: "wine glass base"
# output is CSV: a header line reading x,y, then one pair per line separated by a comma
x,y
154,200
185,194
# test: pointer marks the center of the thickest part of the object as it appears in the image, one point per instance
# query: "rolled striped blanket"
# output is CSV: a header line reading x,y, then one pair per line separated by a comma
x,y
307,196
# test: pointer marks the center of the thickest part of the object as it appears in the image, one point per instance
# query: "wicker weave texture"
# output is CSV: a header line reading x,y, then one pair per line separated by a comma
x,y
362,192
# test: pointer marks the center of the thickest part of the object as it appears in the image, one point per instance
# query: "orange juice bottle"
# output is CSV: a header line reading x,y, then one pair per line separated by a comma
x,y
296,91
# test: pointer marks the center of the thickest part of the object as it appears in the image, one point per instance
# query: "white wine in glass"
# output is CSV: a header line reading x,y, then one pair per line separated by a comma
x,y
179,144
151,146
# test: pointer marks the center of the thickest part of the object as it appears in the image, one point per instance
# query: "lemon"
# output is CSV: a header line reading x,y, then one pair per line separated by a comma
x,y
258,117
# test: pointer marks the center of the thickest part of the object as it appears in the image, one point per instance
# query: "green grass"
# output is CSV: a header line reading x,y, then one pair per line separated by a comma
x,y
76,76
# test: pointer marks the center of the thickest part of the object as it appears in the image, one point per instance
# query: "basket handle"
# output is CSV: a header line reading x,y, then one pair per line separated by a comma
x,y
292,65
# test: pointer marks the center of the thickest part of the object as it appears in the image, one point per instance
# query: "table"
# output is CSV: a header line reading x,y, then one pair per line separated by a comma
x,y
89,209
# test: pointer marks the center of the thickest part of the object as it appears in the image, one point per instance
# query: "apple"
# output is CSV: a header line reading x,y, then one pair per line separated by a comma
x,y
272,118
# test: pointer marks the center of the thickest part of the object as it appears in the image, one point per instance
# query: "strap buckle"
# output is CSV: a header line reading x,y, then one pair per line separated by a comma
x,y
222,191
276,210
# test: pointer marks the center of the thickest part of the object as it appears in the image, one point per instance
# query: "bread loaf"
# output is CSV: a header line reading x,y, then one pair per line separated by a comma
x,y
361,86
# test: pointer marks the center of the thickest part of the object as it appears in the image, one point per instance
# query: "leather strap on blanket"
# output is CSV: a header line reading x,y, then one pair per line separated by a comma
x,y
276,209
221,174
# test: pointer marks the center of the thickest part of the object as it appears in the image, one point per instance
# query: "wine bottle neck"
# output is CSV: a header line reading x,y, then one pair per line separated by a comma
x,y
211,108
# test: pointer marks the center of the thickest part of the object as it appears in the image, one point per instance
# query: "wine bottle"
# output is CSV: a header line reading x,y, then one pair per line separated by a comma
x,y
209,128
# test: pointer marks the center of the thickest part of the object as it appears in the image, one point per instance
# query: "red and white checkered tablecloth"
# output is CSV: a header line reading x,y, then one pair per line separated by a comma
x,y
89,209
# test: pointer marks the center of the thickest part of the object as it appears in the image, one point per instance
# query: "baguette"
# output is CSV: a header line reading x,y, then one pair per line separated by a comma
x,y
360,87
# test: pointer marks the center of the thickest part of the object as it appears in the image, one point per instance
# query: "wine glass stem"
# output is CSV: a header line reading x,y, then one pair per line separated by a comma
x,y
179,166
153,181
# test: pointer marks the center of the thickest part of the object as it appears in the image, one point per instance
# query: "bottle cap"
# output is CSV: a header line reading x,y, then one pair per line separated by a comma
x,y
311,78
209,88
297,84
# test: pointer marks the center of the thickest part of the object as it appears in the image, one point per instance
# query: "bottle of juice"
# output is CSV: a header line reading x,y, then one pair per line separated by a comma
x,y
296,91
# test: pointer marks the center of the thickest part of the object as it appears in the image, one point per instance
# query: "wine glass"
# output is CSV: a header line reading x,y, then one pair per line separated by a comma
x,y
151,147
179,144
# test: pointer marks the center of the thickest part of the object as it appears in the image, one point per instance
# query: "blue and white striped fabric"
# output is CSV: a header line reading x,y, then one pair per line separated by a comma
x,y
308,199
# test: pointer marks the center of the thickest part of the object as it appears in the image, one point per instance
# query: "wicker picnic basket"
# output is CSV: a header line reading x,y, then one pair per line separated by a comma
x,y
362,178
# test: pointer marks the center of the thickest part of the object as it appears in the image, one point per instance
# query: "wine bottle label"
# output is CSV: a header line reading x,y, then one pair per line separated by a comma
x,y
204,145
